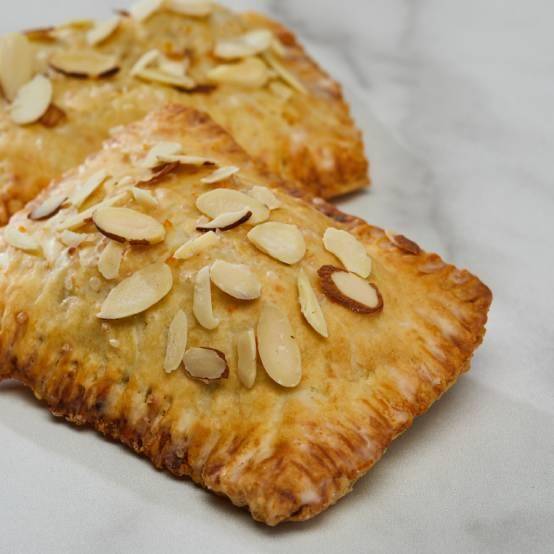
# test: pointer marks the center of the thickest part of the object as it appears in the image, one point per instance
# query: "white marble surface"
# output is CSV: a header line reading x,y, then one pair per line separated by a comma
x,y
462,149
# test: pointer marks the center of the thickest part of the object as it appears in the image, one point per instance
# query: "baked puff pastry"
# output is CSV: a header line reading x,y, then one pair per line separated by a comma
x,y
65,89
171,295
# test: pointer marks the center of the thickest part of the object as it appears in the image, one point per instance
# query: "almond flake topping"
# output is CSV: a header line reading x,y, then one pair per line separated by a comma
x,y
202,301
351,291
109,262
144,197
21,240
281,241
103,30
278,348
89,187
161,153
284,73
155,67
246,358
17,63
220,175
72,240
124,224
80,219
32,101
265,196
249,44
137,293
196,245
83,64
310,305
236,280
206,364
220,201
226,221
250,73
177,339
192,8
403,243
349,250
143,9
49,208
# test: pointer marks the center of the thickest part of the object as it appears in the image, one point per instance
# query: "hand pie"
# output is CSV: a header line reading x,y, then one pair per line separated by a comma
x,y
66,88
171,295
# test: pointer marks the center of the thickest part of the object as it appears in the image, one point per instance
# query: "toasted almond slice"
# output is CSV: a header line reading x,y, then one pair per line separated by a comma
x,y
49,208
251,73
46,34
349,250
227,221
177,339
206,364
21,240
177,68
196,245
160,173
194,161
17,63
137,293
88,188
71,239
284,73
236,280
145,61
192,8
403,243
310,306
126,225
202,301
144,197
281,241
143,9
159,153
109,262
278,349
351,291
103,30
52,117
84,63
32,101
220,174
265,196
249,44
246,358
158,76
220,201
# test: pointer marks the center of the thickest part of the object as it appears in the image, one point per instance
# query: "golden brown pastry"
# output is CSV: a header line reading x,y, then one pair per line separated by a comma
x,y
66,88
171,295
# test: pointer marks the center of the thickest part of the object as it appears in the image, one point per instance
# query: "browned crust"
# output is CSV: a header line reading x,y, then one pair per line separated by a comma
x,y
334,453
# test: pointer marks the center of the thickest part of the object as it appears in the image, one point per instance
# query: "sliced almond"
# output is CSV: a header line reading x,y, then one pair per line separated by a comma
x,y
159,173
32,101
236,280
21,240
246,358
143,9
220,174
84,64
89,187
220,201
351,291
158,76
284,73
49,208
250,73
103,30
109,262
52,117
72,240
349,250
202,301
249,44
177,339
309,305
160,153
192,8
281,241
403,243
144,197
147,59
46,34
206,364
227,221
126,225
17,63
137,293
265,196
278,349
196,245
